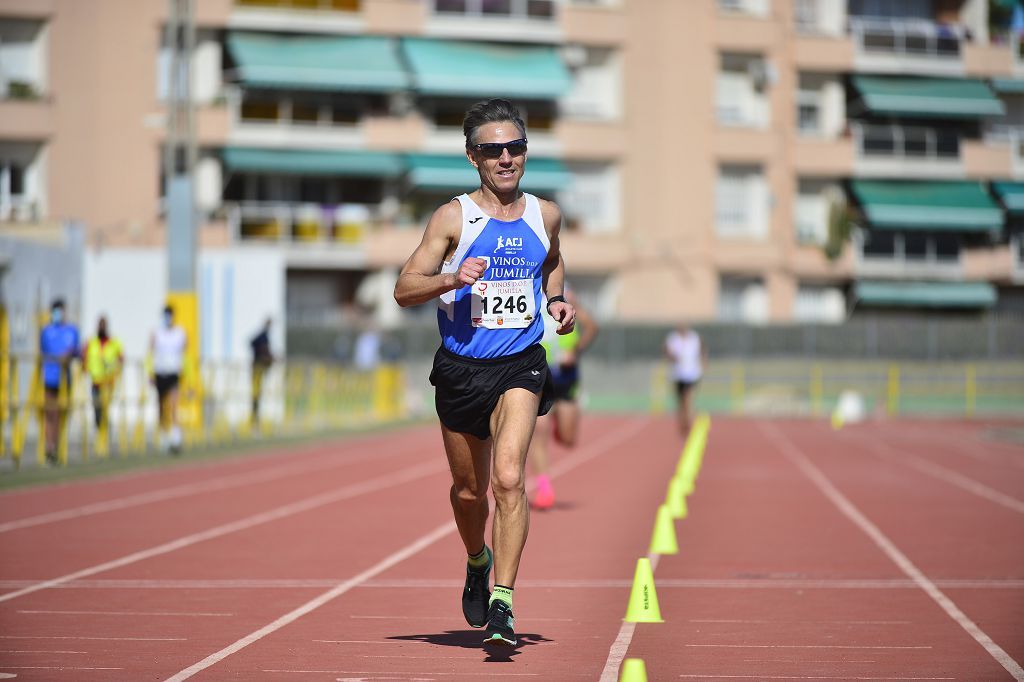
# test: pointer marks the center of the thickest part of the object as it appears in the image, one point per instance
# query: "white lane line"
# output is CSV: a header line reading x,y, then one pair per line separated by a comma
x,y
803,462
779,622
375,673
606,444
805,677
801,646
127,613
372,485
53,668
949,476
40,651
195,488
101,639
417,583
446,617
617,652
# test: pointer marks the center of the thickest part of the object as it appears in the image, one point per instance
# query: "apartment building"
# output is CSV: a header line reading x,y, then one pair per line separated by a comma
x,y
754,160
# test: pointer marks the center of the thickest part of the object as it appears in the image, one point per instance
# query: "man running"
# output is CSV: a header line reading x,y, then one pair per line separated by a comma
x,y
563,423
167,355
688,356
490,372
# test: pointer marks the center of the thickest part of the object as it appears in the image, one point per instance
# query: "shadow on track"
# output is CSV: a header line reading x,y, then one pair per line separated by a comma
x,y
473,639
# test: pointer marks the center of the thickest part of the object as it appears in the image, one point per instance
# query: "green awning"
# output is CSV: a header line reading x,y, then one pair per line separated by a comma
x,y
452,68
331,63
429,171
927,97
1012,195
1013,86
313,162
926,294
942,206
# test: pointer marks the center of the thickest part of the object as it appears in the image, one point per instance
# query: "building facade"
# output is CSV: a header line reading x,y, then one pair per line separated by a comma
x,y
741,160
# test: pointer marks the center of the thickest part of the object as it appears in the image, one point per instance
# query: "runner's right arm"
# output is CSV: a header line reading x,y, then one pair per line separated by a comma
x,y
420,280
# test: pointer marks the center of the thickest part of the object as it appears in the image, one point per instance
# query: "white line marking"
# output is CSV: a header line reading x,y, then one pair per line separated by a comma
x,y
54,668
195,488
800,646
620,646
446,673
372,485
576,583
127,613
949,476
848,509
40,651
606,444
102,639
779,622
806,677
445,617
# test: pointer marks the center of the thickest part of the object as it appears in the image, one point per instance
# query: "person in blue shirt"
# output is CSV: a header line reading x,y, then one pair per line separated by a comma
x,y
488,257
58,344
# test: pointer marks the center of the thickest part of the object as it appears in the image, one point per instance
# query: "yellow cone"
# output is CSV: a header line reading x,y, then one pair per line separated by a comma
x,y
837,420
675,500
633,670
663,540
643,600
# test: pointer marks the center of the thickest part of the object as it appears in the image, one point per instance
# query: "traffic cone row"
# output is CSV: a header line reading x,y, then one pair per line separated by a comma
x,y
643,599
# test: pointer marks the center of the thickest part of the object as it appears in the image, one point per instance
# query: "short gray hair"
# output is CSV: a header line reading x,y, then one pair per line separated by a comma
x,y
490,111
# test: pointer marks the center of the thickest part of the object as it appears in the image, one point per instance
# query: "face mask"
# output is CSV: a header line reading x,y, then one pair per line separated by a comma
x,y
57,315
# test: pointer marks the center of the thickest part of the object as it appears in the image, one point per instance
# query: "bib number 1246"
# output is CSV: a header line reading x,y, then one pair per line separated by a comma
x,y
503,304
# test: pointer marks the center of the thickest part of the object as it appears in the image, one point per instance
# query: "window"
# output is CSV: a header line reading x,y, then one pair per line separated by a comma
x,y
912,248
818,303
740,207
596,91
22,59
812,210
742,299
509,9
740,98
892,9
808,99
880,244
591,203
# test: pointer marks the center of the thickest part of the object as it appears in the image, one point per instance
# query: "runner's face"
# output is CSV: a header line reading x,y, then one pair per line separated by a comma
x,y
503,173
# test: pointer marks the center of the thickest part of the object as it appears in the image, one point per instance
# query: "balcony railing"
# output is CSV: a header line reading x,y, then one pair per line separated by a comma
x,y
1013,136
344,224
329,5
911,38
19,209
910,143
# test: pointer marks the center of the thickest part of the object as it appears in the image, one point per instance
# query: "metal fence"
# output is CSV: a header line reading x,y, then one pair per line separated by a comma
x,y
294,398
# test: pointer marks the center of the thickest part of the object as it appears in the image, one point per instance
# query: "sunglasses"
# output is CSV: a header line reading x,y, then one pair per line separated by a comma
x,y
493,150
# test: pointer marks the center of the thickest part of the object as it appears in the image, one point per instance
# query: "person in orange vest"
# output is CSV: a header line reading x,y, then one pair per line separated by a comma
x,y
104,357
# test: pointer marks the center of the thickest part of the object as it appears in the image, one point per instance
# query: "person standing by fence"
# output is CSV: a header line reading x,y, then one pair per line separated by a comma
x,y
58,345
262,359
104,358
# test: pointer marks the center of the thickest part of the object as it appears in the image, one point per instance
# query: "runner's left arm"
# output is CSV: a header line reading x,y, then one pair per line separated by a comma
x,y
553,270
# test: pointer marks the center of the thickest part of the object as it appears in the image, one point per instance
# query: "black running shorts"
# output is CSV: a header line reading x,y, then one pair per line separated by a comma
x,y
468,389
165,383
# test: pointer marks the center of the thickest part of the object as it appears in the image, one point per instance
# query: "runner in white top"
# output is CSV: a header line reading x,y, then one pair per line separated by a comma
x,y
167,357
684,349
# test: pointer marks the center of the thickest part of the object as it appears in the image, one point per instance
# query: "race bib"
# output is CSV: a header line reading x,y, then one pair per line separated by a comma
x,y
503,304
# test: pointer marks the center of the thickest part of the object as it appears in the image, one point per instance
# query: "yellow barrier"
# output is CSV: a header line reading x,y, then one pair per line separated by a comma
x,y
237,405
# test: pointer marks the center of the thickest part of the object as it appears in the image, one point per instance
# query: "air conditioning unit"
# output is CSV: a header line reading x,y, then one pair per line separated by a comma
x,y
574,56
731,5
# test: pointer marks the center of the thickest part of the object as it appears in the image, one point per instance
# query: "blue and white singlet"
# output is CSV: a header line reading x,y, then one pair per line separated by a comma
x,y
500,314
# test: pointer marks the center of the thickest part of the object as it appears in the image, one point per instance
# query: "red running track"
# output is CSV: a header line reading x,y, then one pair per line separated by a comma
x,y
885,551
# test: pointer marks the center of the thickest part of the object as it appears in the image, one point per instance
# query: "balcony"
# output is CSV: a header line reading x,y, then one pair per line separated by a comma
x,y
1011,138
895,151
19,209
345,225
528,20
304,16
908,46
285,122
909,255
27,119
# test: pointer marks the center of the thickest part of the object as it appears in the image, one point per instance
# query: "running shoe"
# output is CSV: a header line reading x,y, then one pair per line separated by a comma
x,y
500,624
544,497
477,592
